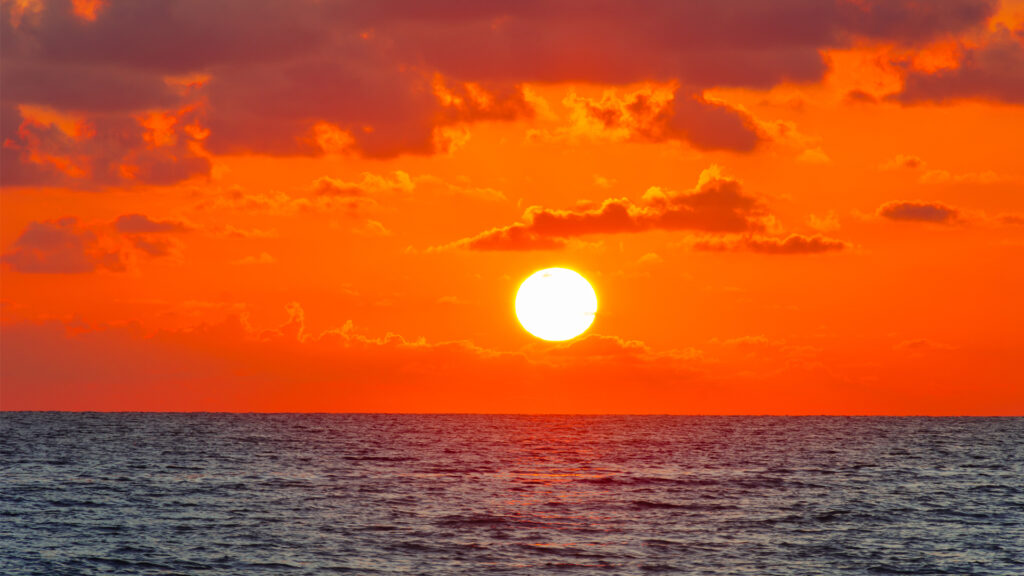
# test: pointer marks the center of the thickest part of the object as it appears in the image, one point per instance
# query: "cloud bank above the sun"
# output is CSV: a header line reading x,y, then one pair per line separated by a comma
x,y
145,92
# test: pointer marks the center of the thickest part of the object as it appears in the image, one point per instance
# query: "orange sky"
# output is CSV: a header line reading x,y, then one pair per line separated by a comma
x,y
785,208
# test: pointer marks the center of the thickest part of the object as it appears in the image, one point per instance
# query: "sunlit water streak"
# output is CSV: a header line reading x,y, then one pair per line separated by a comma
x,y
383,494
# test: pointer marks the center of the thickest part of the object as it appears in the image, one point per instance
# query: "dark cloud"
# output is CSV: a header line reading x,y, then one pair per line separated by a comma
x,y
94,88
142,224
717,205
658,116
860,97
910,21
265,73
153,246
712,126
918,212
60,247
737,42
44,147
993,71
65,246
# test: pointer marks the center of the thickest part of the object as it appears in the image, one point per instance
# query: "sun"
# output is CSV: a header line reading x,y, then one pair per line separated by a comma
x,y
556,304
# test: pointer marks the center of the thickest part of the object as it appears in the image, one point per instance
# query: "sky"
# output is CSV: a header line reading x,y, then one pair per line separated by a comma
x,y
791,207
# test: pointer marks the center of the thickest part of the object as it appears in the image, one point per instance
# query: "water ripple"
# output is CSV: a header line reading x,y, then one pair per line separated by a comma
x,y
84,494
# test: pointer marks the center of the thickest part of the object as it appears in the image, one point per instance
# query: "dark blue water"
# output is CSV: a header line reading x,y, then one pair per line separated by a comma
x,y
383,494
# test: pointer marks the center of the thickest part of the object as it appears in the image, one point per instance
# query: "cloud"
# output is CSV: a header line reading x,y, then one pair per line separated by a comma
x,y
141,224
235,232
944,176
358,198
232,365
827,223
597,346
658,114
993,71
813,156
372,228
908,161
262,259
922,345
65,246
909,211
237,199
936,176
716,205
326,186
650,259
45,146
859,97
397,77
792,244
60,247
514,237
731,42
148,235
154,246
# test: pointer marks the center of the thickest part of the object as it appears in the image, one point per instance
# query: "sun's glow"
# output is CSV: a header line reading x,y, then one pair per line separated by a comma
x,y
556,304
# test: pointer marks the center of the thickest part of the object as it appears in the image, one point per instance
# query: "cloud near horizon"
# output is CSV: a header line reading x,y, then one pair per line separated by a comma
x,y
337,367
235,366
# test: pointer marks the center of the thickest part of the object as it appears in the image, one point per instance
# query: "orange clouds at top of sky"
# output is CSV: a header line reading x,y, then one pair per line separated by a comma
x,y
800,207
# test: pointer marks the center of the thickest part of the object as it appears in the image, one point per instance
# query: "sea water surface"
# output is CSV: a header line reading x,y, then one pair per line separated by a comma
x,y
433,494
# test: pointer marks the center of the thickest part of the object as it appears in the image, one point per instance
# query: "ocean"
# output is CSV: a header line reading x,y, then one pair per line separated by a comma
x,y
142,493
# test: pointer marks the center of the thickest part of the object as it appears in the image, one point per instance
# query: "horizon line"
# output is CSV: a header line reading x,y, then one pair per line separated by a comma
x,y
370,413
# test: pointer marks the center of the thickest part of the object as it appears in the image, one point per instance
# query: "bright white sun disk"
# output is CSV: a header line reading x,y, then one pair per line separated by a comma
x,y
556,304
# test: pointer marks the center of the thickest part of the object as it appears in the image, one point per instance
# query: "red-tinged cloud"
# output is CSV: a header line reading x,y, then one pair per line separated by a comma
x,y
389,78
334,187
716,205
908,161
148,235
934,212
993,71
60,247
65,246
233,366
792,244
731,42
142,224
659,115
43,146
859,97
514,237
